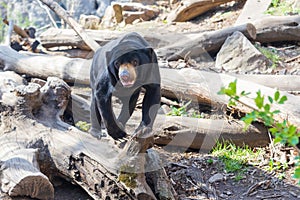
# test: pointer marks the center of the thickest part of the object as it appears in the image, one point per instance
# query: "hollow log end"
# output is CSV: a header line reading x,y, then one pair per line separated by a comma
x,y
34,186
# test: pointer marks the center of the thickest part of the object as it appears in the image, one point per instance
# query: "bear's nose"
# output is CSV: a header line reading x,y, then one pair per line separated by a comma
x,y
125,75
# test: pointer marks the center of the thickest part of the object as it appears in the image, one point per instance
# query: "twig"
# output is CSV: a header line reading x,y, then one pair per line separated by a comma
x,y
255,186
292,59
48,13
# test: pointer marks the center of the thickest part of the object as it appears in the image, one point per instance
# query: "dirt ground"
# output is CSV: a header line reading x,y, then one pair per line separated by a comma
x,y
191,172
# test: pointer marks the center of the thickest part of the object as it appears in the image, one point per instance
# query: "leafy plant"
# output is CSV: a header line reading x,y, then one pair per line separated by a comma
x,y
283,132
181,111
280,7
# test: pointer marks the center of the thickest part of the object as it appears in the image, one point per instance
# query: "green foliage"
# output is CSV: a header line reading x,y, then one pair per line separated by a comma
x,y
234,158
181,111
127,176
283,132
270,54
84,126
282,7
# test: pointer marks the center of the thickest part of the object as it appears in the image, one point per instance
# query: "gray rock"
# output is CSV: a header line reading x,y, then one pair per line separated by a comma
x,y
240,56
216,177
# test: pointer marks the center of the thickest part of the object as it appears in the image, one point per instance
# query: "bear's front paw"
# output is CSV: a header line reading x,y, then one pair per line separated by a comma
x,y
97,133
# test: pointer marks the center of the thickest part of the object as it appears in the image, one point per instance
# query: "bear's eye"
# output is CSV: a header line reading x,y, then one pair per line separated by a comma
x,y
135,62
117,64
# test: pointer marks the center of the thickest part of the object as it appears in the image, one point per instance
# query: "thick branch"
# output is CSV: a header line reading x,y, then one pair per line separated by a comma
x,y
69,20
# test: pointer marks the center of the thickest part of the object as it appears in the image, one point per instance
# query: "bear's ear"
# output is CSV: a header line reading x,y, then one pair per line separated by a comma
x,y
108,56
152,54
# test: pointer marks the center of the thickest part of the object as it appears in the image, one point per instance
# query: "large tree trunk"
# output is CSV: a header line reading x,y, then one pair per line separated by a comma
x,y
31,124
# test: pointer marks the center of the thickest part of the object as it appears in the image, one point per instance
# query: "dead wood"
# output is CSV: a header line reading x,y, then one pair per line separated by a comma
x,y
278,29
68,37
76,71
189,9
41,65
184,132
17,29
203,43
169,45
31,124
54,6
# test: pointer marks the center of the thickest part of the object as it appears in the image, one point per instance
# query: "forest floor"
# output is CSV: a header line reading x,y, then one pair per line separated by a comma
x,y
196,175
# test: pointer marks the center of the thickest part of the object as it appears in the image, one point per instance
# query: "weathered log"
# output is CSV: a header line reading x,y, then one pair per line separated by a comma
x,y
30,119
40,67
68,37
199,86
278,29
189,9
184,132
76,70
204,43
71,22
252,11
167,44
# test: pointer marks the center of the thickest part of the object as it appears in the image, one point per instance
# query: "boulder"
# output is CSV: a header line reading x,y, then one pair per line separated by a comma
x,y
240,56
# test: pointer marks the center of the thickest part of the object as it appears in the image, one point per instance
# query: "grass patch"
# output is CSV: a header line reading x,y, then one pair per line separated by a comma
x,y
234,158
270,54
281,7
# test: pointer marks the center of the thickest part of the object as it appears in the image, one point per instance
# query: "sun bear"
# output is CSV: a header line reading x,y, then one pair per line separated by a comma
x,y
122,68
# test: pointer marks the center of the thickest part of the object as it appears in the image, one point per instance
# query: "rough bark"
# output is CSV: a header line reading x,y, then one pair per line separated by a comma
x,y
190,9
169,45
278,29
31,122
68,37
185,132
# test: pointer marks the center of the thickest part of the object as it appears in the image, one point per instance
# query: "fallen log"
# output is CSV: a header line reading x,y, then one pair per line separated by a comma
x,y
278,29
252,11
76,70
189,9
169,45
199,86
31,123
184,132
68,37
203,43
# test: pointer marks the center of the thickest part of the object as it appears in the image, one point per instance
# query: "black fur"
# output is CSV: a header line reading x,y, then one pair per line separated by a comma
x,y
105,83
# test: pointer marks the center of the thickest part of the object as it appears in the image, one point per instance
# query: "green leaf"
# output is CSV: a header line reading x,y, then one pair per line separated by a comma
x,y
293,140
276,112
297,173
276,95
282,99
270,99
267,107
277,140
292,129
259,100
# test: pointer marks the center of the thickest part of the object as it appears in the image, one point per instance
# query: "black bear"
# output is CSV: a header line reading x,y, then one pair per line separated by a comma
x,y
122,68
